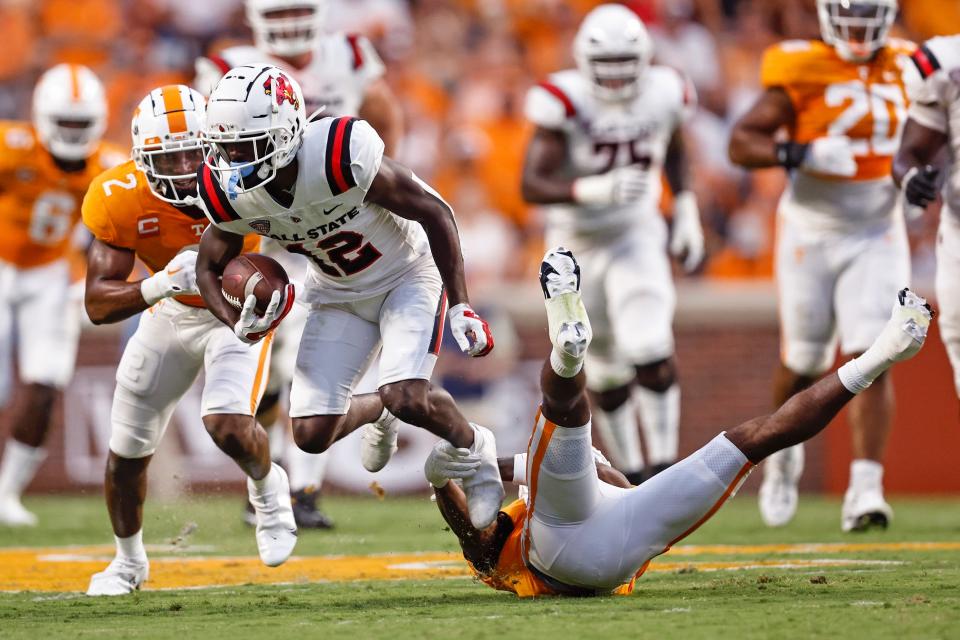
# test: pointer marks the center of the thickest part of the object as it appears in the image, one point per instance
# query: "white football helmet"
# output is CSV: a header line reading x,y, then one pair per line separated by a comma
x,y
857,29
69,111
279,33
613,50
166,130
255,123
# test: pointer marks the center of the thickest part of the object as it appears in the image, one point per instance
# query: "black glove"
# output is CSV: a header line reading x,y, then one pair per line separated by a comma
x,y
921,186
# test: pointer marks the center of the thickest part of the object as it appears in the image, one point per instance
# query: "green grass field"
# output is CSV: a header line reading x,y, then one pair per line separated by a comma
x,y
910,594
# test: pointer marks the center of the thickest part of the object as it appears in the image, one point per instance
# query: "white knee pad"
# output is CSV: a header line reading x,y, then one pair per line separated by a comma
x,y
136,427
808,358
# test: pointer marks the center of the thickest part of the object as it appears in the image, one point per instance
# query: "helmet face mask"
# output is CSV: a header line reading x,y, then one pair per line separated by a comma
x,y
286,27
255,124
857,29
69,112
166,142
613,49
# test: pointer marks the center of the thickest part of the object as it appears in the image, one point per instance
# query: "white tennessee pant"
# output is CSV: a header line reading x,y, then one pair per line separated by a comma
x,y
831,284
36,312
160,363
628,291
340,340
586,533
948,288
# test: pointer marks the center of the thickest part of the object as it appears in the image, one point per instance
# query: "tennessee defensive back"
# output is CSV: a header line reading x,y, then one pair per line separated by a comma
x,y
580,531
148,209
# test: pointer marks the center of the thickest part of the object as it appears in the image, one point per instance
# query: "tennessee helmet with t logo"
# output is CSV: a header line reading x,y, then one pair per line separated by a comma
x,y
69,111
255,123
613,49
166,130
857,29
286,27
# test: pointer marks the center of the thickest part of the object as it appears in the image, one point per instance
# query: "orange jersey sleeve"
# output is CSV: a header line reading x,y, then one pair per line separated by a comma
x,y
832,97
39,200
121,210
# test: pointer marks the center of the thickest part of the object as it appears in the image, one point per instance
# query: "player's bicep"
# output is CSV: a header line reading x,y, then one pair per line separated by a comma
x,y
106,262
772,111
546,153
217,248
920,143
398,190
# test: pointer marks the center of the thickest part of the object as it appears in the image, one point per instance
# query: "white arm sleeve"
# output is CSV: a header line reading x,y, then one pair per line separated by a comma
x,y
520,468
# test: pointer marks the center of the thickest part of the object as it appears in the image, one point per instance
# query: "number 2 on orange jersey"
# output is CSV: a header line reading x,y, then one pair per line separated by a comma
x,y
883,103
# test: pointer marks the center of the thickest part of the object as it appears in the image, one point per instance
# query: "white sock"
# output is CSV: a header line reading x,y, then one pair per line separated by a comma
x,y
866,474
564,364
620,432
132,547
859,373
20,463
277,433
660,421
305,469
260,485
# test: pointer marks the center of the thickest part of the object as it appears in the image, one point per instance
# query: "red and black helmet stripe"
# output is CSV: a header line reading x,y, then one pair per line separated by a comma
x,y
925,61
439,319
337,163
561,96
352,40
222,64
212,194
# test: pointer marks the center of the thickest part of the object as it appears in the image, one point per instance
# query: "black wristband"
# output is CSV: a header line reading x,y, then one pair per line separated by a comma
x,y
791,154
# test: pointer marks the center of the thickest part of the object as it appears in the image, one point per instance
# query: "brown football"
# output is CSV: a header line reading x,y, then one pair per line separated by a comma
x,y
252,273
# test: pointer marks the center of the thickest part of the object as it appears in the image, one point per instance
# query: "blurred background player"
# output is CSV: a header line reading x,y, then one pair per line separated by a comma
x,y
342,74
841,235
45,168
931,140
581,530
147,208
605,131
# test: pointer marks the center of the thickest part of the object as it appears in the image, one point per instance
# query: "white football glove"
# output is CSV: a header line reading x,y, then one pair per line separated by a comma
x,y
471,332
831,155
686,242
447,462
251,328
620,186
178,277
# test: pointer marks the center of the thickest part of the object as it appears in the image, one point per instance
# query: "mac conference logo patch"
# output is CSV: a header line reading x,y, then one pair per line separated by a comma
x,y
260,226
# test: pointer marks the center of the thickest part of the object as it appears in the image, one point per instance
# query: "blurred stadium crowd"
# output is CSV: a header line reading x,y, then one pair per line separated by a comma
x,y
461,68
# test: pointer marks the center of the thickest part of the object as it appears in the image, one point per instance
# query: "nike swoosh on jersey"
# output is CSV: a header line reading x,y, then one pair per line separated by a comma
x,y
327,212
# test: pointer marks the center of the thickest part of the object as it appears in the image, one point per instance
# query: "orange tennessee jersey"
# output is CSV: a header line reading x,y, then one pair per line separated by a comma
x,y
832,97
511,573
121,211
40,202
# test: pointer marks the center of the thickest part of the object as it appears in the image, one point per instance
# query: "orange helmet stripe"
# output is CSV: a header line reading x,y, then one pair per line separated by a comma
x,y
74,81
173,106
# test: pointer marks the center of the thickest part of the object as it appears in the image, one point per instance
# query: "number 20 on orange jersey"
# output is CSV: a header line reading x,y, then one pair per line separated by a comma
x,y
873,117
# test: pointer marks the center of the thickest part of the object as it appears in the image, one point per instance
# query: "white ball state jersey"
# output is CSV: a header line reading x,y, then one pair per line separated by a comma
x,y
342,68
933,84
356,250
604,135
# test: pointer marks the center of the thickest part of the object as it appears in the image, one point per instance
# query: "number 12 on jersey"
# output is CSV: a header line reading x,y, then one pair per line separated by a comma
x,y
883,104
346,251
